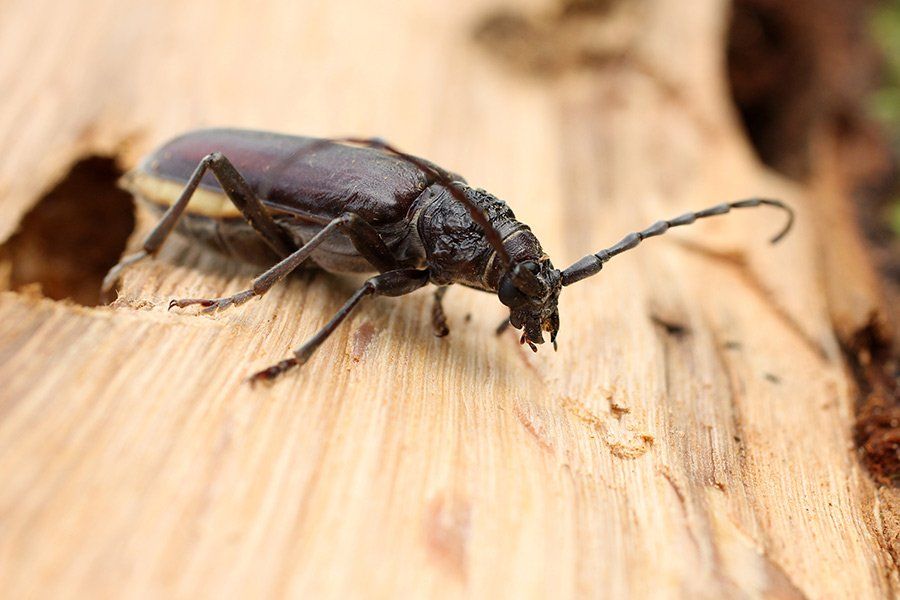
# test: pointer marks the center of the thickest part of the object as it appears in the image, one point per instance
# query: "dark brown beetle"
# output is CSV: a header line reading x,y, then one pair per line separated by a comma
x,y
355,205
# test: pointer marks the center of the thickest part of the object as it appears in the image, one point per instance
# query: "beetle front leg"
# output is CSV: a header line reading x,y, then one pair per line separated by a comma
x,y
392,283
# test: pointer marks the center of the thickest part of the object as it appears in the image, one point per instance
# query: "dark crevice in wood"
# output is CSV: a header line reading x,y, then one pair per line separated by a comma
x,y
676,330
569,34
73,236
796,66
877,375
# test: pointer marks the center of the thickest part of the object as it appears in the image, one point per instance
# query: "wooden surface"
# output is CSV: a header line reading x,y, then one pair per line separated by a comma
x,y
710,458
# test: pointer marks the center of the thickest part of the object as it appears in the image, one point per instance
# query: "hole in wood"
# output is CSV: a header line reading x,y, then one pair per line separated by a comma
x,y
72,237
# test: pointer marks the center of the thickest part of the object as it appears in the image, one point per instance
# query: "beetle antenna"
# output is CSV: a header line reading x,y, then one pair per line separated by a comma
x,y
592,263
478,215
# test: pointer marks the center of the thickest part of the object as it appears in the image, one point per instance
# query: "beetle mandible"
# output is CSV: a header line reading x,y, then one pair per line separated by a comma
x,y
359,205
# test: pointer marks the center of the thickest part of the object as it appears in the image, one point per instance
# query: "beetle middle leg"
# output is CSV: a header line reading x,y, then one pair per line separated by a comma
x,y
502,326
236,189
363,236
392,283
438,318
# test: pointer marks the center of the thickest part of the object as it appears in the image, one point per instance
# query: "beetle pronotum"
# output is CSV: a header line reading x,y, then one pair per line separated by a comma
x,y
355,205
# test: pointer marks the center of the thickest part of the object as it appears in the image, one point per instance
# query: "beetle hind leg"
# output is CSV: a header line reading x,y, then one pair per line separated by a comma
x,y
214,305
236,189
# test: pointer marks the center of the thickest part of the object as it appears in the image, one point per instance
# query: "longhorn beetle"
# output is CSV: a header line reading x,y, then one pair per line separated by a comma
x,y
358,205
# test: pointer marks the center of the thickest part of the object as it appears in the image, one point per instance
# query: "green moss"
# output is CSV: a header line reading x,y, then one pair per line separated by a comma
x,y
885,104
894,217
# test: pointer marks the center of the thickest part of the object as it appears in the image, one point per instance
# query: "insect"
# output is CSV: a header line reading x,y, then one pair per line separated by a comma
x,y
355,206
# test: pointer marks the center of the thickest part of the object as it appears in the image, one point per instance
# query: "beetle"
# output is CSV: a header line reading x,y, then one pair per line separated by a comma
x,y
350,205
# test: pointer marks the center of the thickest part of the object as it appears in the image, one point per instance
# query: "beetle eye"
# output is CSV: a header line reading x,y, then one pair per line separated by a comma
x,y
525,277
510,295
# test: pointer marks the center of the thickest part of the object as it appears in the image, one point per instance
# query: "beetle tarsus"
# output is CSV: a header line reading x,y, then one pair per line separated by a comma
x,y
183,302
440,329
235,300
272,373
438,317
112,277
213,305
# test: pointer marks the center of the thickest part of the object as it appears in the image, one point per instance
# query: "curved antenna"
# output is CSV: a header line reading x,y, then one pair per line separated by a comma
x,y
592,263
478,215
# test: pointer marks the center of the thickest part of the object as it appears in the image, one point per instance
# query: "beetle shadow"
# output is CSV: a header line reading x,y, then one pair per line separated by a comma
x,y
182,252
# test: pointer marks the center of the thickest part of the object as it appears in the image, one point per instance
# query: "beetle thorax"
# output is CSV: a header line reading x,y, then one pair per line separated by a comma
x,y
457,250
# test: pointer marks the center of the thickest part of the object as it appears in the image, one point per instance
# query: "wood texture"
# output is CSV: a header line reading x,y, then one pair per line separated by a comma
x,y
709,458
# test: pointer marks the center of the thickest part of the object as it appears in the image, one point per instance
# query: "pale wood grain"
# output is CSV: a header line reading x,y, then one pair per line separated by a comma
x,y
631,463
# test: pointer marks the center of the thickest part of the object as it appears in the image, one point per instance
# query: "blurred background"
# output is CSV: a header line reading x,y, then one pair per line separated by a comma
x,y
885,103
797,66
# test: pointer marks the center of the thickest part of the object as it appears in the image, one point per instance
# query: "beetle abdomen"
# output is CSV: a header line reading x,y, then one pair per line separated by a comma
x,y
230,236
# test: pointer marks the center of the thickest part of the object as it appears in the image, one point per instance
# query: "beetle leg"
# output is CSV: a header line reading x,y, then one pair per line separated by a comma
x,y
392,283
502,327
368,242
364,238
216,304
112,276
238,191
438,318
264,282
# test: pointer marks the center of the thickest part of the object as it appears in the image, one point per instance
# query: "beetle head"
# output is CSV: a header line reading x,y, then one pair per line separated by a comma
x,y
530,289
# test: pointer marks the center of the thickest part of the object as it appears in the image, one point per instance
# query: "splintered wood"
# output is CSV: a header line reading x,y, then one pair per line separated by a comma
x,y
691,438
